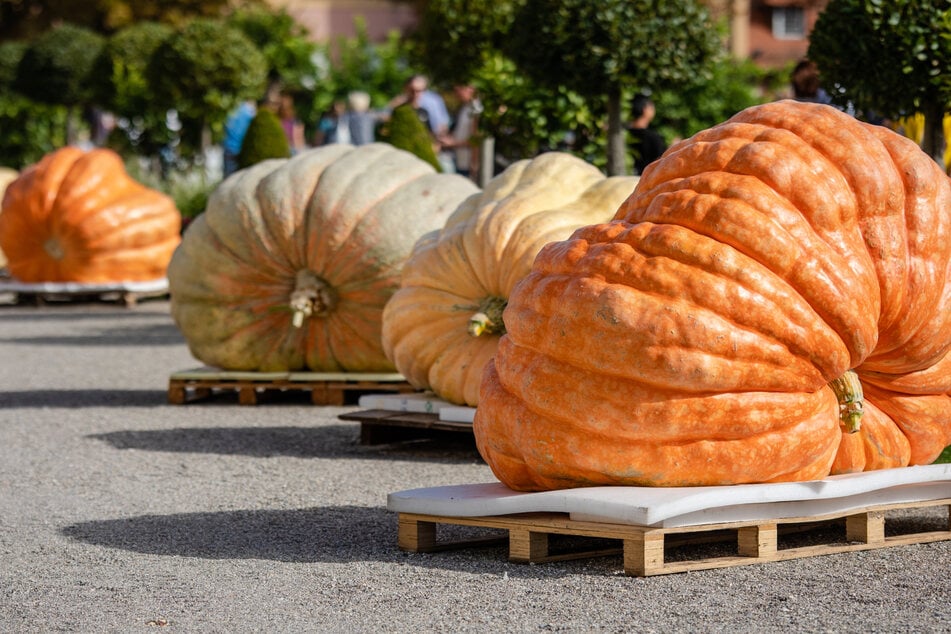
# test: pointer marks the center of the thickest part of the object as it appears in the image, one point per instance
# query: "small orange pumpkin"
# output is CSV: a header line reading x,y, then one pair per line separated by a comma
x,y
721,329
77,216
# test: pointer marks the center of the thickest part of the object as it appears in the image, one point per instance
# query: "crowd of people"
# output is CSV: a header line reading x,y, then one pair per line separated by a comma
x,y
352,120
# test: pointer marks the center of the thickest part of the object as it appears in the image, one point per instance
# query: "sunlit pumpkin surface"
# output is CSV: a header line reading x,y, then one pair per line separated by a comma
x,y
465,272
77,216
293,260
692,340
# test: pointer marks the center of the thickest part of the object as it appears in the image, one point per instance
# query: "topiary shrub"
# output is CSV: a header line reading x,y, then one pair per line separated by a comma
x,y
28,129
55,67
265,139
203,71
407,132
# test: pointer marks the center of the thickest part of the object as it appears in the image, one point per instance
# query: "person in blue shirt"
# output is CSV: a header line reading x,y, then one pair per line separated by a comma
x,y
236,126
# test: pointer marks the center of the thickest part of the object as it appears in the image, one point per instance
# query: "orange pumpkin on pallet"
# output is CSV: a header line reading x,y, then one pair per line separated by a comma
x,y
721,329
77,216
443,324
293,260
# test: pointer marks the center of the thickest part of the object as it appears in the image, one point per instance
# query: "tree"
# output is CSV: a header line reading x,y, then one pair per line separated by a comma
x,y
28,130
120,85
892,58
598,47
28,18
203,71
285,44
456,39
55,69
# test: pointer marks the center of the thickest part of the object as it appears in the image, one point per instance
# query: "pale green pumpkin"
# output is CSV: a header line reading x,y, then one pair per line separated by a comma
x,y
293,260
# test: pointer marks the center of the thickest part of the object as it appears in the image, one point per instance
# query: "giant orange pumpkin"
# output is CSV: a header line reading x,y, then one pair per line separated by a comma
x,y
443,324
77,216
722,327
290,265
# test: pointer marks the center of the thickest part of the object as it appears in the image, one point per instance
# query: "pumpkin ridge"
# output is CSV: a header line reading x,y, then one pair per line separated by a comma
x,y
693,289
333,254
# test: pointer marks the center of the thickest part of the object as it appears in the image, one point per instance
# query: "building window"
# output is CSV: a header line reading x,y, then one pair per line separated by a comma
x,y
789,23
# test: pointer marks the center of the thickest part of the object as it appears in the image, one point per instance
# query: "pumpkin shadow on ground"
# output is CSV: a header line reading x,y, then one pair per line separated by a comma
x,y
331,534
83,398
325,441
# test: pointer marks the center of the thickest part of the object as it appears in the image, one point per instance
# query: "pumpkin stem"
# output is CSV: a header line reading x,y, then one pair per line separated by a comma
x,y
848,389
54,249
489,318
311,297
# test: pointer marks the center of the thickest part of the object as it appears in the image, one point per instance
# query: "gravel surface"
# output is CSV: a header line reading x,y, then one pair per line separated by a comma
x,y
122,513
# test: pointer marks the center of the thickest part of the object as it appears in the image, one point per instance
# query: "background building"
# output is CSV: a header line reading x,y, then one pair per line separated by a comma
x,y
770,32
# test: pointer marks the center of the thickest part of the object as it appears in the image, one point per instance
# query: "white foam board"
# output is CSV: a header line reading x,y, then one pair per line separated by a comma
x,y
420,403
457,414
686,506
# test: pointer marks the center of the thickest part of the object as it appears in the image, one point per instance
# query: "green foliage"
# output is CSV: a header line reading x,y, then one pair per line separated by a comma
x,y
405,131
456,38
119,79
55,67
945,456
710,99
203,71
356,63
120,85
284,43
265,139
10,55
526,118
593,46
891,57
189,188
28,129
19,18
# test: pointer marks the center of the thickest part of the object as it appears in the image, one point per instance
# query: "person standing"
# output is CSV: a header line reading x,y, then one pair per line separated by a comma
x,y
236,126
431,109
647,145
293,127
460,139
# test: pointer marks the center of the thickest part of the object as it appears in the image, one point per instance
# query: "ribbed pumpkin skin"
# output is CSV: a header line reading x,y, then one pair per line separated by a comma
x,y
77,216
349,216
487,245
7,176
690,340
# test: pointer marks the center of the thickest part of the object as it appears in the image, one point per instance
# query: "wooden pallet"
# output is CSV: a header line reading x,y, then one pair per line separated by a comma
x,y
189,386
382,426
644,548
126,294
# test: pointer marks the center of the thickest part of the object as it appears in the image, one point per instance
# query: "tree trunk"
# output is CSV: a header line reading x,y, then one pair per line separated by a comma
x,y
72,129
616,147
933,141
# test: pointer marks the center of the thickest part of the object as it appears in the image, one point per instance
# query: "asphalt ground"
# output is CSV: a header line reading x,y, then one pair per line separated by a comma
x,y
122,513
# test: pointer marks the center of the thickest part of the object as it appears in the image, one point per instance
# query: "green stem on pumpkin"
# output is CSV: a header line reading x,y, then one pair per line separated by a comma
x,y
848,390
488,320
54,249
312,297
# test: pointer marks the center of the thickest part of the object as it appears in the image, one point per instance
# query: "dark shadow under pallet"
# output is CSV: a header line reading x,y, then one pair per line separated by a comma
x,y
253,388
378,426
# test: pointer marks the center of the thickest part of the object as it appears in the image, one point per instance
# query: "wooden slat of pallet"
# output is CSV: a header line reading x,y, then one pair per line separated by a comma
x,y
381,425
644,548
189,386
